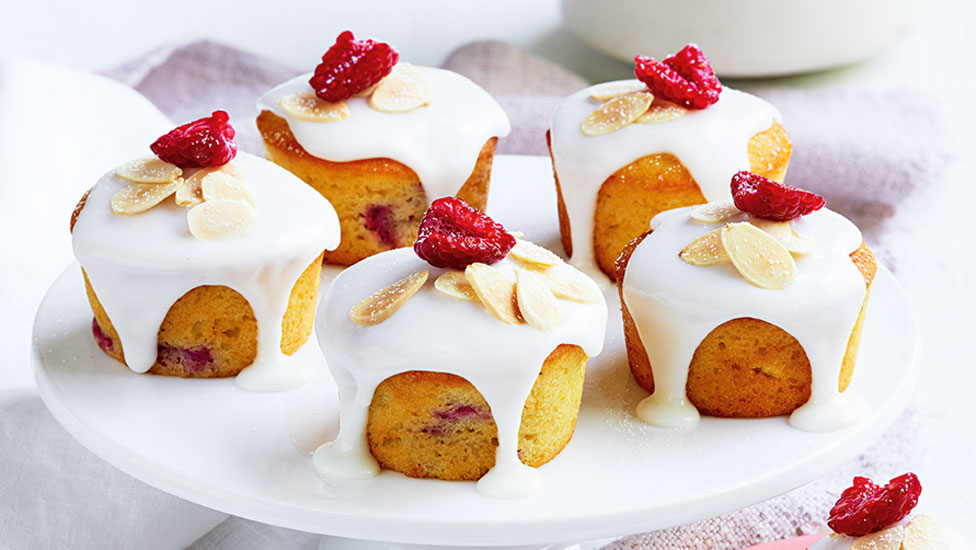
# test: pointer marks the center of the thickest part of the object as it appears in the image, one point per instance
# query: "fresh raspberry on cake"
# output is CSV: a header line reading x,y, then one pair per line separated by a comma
x,y
351,66
685,78
766,198
867,507
208,141
454,234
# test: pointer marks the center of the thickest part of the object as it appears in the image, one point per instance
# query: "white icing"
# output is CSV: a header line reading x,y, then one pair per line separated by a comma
x,y
712,143
440,142
675,305
436,332
140,265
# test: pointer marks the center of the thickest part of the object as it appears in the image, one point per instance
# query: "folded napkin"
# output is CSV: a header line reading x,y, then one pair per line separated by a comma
x,y
847,146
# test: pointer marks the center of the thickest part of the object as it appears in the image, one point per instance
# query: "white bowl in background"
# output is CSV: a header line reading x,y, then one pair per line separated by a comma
x,y
742,38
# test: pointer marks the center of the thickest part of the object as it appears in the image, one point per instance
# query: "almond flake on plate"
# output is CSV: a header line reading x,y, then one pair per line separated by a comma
x,y
705,250
534,255
149,170
221,219
380,305
616,113
405,89
536,302
571,290
495,291
456,285
221,186
307,106
783,232
661,112
757,256
715,212
139,197
610,90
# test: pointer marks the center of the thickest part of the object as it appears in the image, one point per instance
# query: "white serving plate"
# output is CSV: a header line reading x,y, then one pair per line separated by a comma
x,y
249,454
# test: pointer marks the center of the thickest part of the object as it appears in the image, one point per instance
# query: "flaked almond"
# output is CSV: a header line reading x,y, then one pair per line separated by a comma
x,y
495,291
705,250
405,89
888,539
307,106
139,197
456,285
616,113
924,533
380,305
783,232
534,255
715,212
536,302
757,256
221,186
367,92
221,219
190,192
571,290
661,112
610,90
149,170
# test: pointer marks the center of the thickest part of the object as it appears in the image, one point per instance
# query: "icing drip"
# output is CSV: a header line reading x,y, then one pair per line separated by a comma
x,y
440,142
140,265
435,332
675,305
711,143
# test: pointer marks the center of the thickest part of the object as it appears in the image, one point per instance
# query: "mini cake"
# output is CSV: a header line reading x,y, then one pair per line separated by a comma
x,y
223,280
380,139
624,151
750,308
460,359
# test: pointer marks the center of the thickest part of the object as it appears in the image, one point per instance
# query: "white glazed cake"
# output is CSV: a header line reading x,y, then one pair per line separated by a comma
x,y
439,141
711,143
450,327
675,305
139,265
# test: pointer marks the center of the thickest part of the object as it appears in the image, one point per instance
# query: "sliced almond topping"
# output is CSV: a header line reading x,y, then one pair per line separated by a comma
x,y
190,192
308,106
714,212
616,113
149,170
495,291
705,250
924,533
610,90
139,197
367,92
536,302
534,255
571,290
221,186
456,285
889,539
758,257
661,112
405,89
783,232
380,305
221,219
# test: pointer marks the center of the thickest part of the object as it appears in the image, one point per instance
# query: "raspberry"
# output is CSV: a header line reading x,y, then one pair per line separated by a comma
x,y
685,78
866,507
350,66
765,198
454,234
208,141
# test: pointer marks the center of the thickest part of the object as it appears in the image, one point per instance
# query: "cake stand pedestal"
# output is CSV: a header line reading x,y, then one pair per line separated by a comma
x,y
249,454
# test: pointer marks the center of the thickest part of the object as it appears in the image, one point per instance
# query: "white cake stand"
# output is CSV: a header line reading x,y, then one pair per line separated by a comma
x,y
249,454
